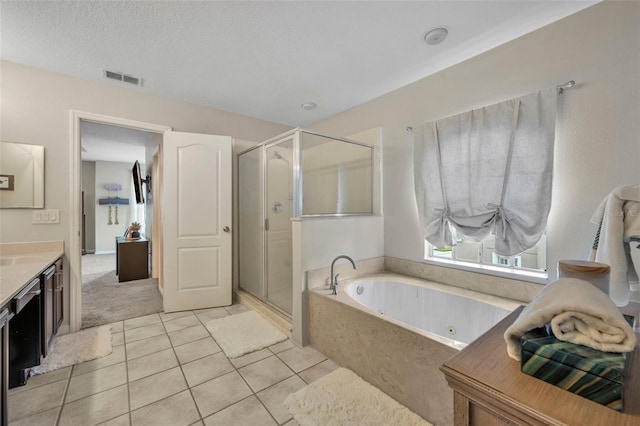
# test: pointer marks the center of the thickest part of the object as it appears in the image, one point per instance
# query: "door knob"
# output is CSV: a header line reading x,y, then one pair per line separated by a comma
x,y
226,229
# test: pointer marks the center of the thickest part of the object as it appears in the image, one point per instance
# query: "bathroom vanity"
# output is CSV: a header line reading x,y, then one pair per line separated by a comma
x,y
490,389
31,298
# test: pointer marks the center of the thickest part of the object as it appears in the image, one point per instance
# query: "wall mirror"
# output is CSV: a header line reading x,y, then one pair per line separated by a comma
x,y
21,176
337,176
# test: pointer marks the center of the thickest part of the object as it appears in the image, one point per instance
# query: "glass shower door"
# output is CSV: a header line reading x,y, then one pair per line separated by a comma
x,y
251,222
278,213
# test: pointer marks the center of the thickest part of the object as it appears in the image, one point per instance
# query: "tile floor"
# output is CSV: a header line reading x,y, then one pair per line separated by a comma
x,y
166,369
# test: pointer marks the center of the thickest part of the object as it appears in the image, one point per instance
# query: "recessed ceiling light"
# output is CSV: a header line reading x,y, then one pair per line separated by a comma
x,y
308,106
435,36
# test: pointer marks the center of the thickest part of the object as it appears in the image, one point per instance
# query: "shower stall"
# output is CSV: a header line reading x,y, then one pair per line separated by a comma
x,y
295,175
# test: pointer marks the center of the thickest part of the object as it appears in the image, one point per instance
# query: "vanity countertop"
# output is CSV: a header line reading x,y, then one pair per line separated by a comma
x,y
20,263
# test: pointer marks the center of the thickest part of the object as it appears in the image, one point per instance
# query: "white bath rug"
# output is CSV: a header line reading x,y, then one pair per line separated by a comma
x,y
243,333
343,398
74,348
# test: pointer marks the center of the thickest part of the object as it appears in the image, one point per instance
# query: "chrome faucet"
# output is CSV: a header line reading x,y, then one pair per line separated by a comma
x,y
334,279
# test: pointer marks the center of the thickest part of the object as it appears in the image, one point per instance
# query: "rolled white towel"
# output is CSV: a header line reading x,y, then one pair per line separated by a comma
x,y
579,313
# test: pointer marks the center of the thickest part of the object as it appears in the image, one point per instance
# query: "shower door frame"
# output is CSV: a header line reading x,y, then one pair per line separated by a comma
x,y
294,155
297,213
294,136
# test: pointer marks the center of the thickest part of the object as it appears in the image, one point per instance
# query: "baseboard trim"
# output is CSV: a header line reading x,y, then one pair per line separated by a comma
x,y
105,252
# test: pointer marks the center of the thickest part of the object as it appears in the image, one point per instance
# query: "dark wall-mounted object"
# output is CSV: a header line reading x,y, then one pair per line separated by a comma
x,y
113,200
137,182
148,182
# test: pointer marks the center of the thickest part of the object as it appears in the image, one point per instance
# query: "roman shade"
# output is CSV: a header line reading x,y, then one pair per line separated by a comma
x,y
488,171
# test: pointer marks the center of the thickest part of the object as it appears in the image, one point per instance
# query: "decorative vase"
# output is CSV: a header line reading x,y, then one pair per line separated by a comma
x,y
135,234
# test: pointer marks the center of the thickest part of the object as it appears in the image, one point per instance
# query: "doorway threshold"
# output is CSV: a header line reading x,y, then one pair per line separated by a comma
x,y
279,319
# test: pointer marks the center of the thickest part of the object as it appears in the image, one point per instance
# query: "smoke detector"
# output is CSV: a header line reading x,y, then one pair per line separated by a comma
x,y
435,36
308,106
115,75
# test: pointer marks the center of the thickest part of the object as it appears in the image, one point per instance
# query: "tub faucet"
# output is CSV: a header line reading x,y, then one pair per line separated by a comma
x,y
334,279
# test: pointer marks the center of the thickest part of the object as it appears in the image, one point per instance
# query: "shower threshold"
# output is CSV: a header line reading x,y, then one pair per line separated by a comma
x,y
275,315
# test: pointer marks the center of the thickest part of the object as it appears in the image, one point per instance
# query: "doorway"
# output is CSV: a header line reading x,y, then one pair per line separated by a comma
x,y
195,226
118,282
76,235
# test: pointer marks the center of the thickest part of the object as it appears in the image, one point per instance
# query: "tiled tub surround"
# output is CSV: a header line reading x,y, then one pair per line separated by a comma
x,y
20,262
509,288
402,361
167,369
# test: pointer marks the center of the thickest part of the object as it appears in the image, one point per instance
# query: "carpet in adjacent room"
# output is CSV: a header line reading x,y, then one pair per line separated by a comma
x,y
105,300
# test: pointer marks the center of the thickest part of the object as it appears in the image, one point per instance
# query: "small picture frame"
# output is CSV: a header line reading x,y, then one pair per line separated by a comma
x,y
6,182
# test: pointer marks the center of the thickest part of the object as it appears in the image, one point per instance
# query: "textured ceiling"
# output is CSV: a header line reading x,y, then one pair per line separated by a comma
x,y
264,59
101,142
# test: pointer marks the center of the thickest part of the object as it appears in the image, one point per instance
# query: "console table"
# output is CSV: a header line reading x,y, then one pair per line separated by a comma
x,y
489,389
132,259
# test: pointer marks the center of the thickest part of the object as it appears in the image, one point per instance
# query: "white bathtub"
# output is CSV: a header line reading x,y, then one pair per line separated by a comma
x,y
450,315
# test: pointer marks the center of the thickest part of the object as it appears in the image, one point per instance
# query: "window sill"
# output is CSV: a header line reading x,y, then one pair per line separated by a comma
x,y
514,274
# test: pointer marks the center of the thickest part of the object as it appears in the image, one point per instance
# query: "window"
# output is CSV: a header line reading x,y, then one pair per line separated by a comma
x,y
488,172
481,255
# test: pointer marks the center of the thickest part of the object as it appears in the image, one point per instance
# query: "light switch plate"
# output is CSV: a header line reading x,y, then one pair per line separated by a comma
x,y
45,216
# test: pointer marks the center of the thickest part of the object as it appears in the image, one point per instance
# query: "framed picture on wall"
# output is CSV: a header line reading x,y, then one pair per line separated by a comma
x,y
6,182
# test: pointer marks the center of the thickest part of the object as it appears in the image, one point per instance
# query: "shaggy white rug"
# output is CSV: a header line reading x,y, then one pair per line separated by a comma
x,y
74,348
243,333
343,398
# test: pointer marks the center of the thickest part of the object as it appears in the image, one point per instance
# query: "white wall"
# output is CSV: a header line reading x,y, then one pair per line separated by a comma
x,y
597,143
317,241
36,108
109,172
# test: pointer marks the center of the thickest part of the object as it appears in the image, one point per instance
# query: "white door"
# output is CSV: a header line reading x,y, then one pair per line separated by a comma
x,y
196,211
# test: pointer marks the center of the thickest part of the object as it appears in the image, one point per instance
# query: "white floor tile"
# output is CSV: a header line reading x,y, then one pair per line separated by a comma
x,y
96,381
206,368
45,418
188,334
299,359
177,410
219,393
273,397
151,364
130,324
262,374
36,400
195,350
147,346
115,357
154,388
96,408
248,412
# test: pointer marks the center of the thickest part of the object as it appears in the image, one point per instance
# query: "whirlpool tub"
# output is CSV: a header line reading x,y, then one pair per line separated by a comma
x,y
450,315
396,331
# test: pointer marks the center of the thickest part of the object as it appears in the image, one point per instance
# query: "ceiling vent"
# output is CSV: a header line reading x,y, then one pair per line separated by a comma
x,y
114,75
